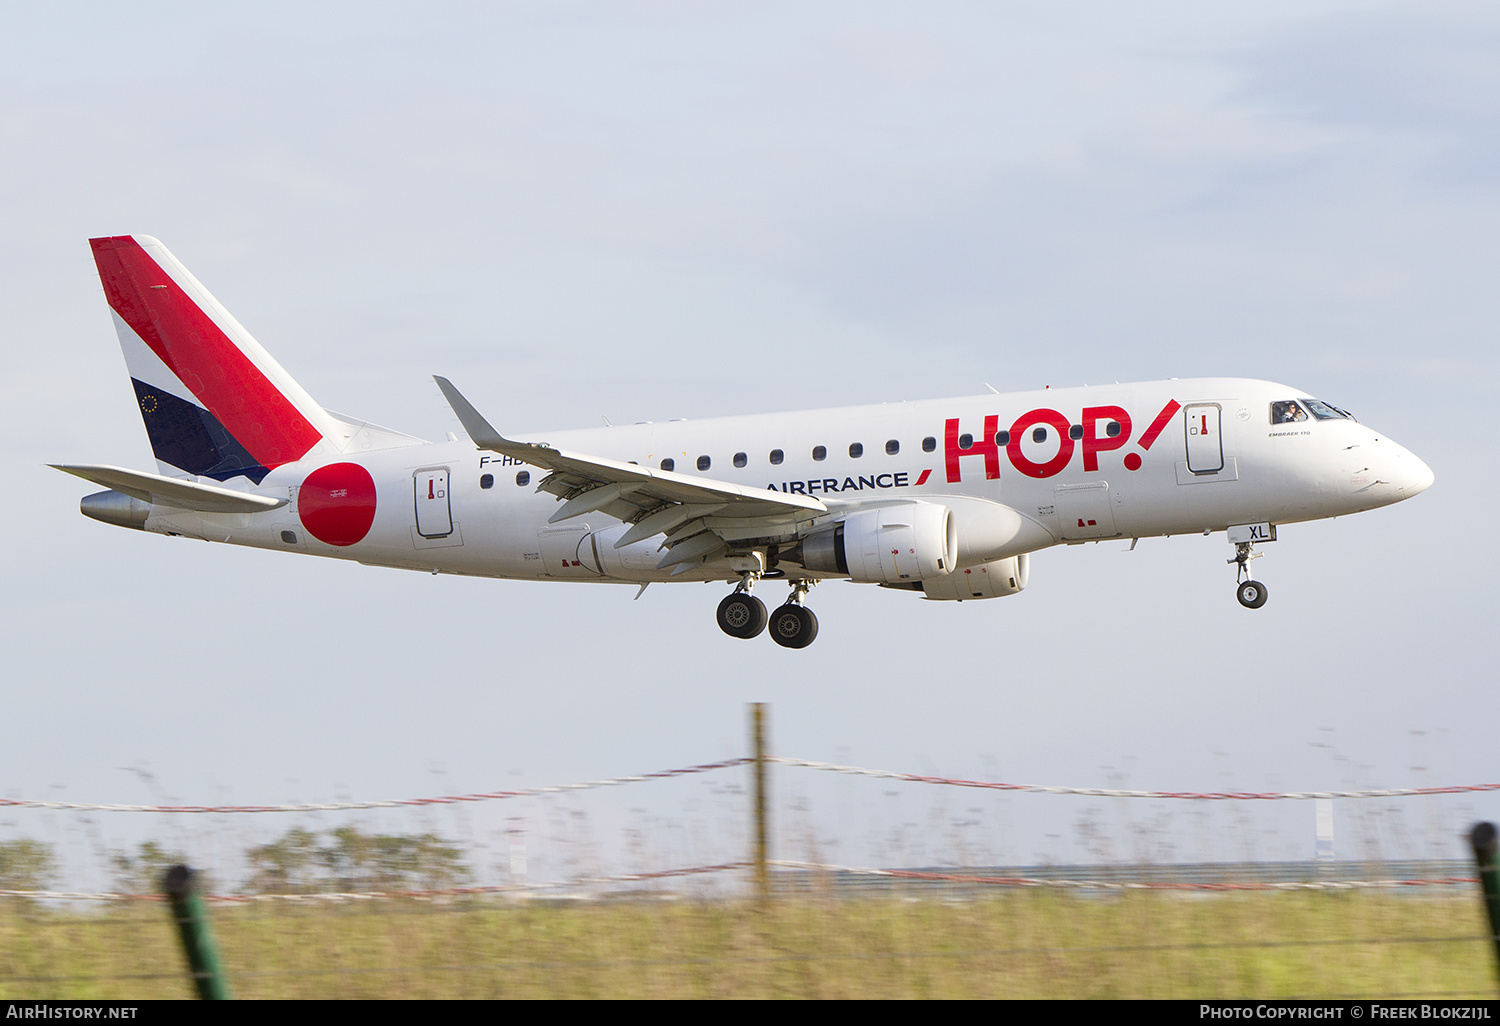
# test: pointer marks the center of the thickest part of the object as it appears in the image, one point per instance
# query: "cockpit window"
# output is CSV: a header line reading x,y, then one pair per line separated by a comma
x,y
1287,412
1323,411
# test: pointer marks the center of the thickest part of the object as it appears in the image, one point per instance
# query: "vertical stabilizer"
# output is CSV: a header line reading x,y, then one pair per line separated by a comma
x,y
214,402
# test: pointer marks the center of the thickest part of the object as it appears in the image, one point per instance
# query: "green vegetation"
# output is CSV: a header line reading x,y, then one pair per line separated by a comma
x,y
354,861
26,865
141,871
1046,944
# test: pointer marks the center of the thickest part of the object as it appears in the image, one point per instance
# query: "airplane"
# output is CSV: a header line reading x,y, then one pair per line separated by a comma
x,y
944,498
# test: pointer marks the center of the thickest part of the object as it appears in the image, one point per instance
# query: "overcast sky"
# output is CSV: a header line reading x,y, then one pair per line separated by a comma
x,y
655,210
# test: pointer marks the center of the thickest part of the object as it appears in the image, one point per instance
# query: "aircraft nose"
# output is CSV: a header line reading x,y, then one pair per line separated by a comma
x,y
1415,476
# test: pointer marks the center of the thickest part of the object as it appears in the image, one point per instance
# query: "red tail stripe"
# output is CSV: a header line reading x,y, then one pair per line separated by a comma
x,y
1159,423
188,341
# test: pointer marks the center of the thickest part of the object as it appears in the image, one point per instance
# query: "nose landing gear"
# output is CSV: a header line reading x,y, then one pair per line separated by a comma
x,y
1252,594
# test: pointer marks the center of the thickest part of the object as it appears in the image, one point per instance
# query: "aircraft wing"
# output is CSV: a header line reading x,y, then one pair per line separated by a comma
x,y
172,491
653,501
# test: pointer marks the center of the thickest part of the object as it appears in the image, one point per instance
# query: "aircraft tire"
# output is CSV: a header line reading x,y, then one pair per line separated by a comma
x,y
793,626
1252,594
741,615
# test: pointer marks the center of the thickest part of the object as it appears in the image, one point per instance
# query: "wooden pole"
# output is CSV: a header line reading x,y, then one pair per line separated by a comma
x,y
758,789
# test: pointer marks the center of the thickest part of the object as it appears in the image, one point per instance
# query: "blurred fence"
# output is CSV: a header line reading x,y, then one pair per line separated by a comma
x,y
1393,928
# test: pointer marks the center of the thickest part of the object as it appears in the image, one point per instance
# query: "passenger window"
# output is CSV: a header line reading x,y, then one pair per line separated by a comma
x,y
966,441
820,453
929,444
1287,412
892,447
740,459
486,480
1039,435
290,537
1113,430
776,457
669,464
1002,437
856,450
1075,432
704,462
523,478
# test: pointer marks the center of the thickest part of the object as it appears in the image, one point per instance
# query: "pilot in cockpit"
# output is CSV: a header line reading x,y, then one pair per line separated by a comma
x,y
1287,412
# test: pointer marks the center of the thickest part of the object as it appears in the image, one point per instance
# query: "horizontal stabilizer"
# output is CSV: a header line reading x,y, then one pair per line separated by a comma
x,y
171,491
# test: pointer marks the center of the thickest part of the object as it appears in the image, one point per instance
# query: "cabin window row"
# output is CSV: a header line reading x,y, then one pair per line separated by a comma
x,y
819,453
523,478
893,447
856,449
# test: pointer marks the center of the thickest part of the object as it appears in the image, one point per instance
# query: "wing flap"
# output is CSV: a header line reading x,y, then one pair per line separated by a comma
x,y
666,519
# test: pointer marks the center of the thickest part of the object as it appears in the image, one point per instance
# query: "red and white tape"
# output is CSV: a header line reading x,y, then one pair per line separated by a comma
x,y
1091,792
1106,792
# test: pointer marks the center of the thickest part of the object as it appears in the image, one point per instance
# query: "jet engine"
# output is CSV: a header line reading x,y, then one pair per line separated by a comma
x,y
908,541
987,580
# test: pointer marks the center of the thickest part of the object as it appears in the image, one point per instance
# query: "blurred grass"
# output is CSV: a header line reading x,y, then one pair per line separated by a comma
x,y
1022,944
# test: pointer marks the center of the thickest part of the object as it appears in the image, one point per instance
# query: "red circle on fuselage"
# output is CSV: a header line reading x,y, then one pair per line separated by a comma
x,y
337,503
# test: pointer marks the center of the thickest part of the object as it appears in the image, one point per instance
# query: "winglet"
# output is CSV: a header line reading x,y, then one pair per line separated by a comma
x,y
479,429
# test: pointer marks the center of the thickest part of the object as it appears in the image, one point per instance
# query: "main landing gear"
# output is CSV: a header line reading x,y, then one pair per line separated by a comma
x,y
793,625
741,614
1252,594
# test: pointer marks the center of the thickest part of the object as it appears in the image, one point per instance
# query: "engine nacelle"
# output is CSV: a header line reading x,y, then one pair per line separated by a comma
x,y
905,542
987,580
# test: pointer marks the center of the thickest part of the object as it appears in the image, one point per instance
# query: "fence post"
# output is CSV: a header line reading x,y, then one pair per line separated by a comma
x,y
1482,837
191,918
758,746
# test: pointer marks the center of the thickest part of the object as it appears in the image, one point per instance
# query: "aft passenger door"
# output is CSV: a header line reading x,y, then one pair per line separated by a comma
x,y
434,513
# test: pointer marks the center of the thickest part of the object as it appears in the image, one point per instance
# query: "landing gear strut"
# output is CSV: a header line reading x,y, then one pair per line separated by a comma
x,y
794,625
1252,594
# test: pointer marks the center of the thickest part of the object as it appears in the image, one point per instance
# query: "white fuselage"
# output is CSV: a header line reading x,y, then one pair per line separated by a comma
x,y
1213,461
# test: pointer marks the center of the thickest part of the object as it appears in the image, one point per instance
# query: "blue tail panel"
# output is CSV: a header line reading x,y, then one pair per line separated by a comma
x,y
190,438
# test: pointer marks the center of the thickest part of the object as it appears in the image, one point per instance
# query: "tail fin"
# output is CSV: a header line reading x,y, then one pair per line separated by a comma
x,y
215,403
